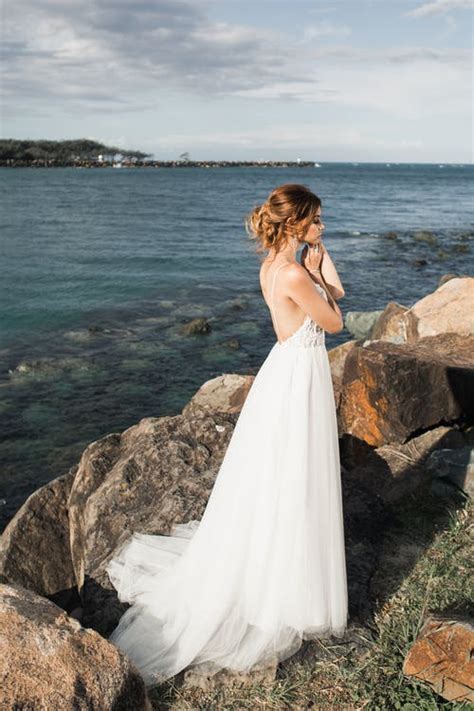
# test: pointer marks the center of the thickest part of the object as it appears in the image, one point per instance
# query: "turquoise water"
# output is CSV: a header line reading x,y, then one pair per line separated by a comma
x,y
102,267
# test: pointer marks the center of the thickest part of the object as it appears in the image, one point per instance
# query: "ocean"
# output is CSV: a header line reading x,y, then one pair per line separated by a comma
x,y
102,267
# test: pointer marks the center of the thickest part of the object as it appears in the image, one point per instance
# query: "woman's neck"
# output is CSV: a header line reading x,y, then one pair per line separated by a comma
x,y
285,255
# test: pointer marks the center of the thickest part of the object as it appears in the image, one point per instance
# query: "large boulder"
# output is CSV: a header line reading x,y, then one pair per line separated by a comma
x,y
226,393
337,359
156,473
49,661
390,391
34,547
449,309
391,325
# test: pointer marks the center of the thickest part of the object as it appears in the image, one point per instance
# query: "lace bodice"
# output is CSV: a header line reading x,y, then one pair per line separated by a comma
x,y
309,334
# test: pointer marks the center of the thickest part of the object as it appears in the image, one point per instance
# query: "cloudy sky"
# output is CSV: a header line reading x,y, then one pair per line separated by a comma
x,y
327,80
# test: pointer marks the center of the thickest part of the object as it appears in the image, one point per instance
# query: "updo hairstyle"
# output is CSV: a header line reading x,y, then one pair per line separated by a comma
x,y
289,211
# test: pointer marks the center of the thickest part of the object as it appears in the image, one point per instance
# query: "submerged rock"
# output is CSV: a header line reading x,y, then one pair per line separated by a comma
x,y
425,236
360,323
197,325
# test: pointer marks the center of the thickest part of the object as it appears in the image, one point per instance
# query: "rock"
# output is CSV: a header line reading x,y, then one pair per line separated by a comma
x,y
425,236
442,656
449,309
360,323
44,368
446,277
390,391
337,360
34,547
446,310
238,304
452,471
197,326
259,674
49,661
391,324
232,343
226,393
393,471
156,473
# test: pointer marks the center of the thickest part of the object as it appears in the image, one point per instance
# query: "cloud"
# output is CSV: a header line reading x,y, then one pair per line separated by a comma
x,y
326,29
68,48
439,6
393,85
83,56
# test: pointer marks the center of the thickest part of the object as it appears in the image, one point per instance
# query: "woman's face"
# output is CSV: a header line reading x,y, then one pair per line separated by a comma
x,y
315,231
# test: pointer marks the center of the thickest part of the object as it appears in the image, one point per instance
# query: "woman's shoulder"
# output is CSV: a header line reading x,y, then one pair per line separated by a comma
x,y
296,272
293,271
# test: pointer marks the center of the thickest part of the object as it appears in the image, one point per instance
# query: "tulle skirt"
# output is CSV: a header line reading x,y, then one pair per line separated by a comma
x,y
264,569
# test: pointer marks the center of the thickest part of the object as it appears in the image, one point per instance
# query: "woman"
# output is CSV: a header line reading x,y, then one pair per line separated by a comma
x,y
264,569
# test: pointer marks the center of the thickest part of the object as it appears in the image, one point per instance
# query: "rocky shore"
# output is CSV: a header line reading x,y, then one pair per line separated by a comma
x,y
405,406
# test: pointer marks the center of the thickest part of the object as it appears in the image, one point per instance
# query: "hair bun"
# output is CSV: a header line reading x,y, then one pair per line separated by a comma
x,y
287,214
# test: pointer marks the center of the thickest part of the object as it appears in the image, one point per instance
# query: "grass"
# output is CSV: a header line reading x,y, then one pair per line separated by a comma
x,y
364,671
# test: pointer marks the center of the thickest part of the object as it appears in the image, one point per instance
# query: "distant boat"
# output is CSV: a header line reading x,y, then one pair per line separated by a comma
x,y
317,165
117,165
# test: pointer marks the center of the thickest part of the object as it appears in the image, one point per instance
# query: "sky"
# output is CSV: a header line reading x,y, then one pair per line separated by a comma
x,y
327,80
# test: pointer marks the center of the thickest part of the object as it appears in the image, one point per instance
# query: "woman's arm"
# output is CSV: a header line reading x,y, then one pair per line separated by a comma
x,y
318,278
330,276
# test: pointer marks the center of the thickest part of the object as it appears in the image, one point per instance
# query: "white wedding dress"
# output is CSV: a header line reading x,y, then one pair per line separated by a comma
x,y
265,567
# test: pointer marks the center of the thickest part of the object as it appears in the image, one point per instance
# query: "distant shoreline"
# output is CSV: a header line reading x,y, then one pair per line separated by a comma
x,y
51,163
85,153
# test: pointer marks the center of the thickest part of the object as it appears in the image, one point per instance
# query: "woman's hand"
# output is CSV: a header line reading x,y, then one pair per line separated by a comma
x,y
311,259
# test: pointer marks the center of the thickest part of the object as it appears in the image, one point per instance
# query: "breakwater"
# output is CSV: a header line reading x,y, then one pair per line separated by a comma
x,y
91,163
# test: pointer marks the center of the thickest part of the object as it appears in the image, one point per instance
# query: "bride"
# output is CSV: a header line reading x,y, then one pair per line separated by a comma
x,y
264,568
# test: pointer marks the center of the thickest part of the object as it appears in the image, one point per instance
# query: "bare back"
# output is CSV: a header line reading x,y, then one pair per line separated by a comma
x,y
290,316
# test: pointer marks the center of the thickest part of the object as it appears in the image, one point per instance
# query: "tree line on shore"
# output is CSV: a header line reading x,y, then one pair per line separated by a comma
x,y
66,152
86,153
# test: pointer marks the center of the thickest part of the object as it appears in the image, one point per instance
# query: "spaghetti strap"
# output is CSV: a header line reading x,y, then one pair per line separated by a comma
x,y
271,296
